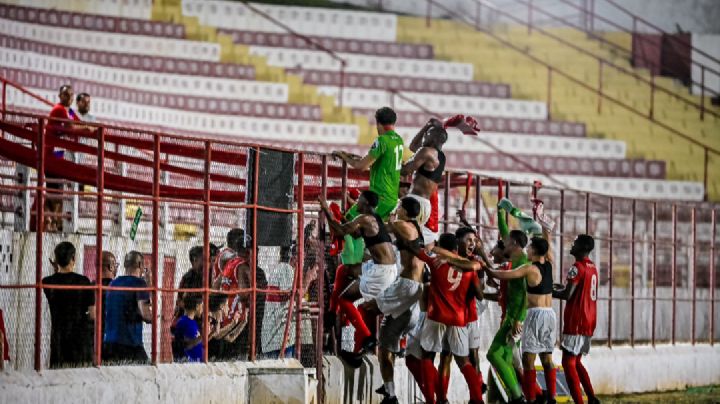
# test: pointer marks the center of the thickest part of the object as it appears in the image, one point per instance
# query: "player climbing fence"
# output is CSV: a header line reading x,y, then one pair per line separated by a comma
x,y
159,194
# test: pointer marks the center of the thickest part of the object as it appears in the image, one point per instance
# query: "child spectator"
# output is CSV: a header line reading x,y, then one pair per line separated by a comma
x,y
187,333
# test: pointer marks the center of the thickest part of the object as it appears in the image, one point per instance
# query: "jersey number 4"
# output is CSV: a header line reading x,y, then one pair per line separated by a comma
x,y
454,278
398,157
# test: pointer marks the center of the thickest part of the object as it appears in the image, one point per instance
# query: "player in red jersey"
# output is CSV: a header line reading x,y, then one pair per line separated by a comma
x,y
580,317
444,328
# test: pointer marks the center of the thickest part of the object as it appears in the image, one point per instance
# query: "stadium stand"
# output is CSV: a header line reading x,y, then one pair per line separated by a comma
x,y
127,89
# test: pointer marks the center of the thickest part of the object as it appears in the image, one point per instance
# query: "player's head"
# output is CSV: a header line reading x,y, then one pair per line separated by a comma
x,y
538,248
66,95
83,103
448,241
514,242
65,254
385,119
498,253
409,208
582,246
436,135
196,255
467,240
368,201
238,241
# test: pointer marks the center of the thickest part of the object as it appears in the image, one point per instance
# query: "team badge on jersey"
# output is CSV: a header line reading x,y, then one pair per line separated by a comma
x,y
572,273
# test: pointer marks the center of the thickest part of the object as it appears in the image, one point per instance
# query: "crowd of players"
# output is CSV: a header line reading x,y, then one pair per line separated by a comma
x,y
428,288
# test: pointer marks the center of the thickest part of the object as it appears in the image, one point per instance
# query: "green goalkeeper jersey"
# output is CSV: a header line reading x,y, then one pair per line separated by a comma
x,y
385,171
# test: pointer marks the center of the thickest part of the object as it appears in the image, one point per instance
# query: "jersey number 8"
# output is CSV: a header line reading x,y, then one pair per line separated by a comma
x,y
593,288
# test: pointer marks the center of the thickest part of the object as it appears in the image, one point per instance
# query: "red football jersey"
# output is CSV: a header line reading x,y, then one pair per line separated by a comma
x,y
471,301
447,297
581,310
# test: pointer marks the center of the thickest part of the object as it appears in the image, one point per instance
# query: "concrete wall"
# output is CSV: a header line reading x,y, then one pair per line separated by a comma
x,y
617,370
613,371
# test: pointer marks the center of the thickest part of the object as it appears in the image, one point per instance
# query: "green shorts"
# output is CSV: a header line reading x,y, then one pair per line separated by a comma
x,y
353,250
384,208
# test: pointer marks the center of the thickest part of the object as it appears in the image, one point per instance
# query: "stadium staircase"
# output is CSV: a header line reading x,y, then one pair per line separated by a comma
x,y
494,61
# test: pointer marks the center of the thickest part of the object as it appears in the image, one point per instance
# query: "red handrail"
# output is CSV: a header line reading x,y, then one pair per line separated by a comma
x,y
309,40
463,19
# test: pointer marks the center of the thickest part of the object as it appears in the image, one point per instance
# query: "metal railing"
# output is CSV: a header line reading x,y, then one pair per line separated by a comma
x,y
554,70
686,296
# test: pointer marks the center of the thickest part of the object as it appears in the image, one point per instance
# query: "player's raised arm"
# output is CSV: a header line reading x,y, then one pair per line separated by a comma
x,y
463,264
339,228
525,271
355,162
564,292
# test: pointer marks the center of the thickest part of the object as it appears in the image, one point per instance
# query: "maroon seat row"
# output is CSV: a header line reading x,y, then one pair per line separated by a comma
x,y
92,22
495,124
164,100
404,83
133,62
341,45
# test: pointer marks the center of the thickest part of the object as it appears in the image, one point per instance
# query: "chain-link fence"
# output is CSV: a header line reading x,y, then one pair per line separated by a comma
x,y
214,250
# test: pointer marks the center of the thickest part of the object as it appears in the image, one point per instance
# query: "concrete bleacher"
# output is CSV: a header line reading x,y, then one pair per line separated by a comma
x,y
174,92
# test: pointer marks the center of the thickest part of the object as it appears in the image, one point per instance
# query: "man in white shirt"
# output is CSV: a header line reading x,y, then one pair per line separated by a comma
x,y
83,108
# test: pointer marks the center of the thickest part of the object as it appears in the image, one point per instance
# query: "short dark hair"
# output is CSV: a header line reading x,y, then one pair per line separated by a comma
x,y
441,132
216,301
371,197
191,301
236,238
81,96
585,243
385,116
411,206
448,241
131,259
64,253
540,245
499,245
464,231
196,252
519,237
64,87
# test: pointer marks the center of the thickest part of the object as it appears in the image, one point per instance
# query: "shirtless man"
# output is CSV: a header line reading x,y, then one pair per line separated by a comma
x,y
383,271
399,301
428,164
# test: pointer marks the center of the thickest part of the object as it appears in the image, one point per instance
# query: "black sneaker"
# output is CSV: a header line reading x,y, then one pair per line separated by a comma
x,y
593,400
401,354
484,388
381,390
354,360
519,400
389,400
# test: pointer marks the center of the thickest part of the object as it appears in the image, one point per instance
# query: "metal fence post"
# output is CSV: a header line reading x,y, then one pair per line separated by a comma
x,y
155,246
100,185
39,228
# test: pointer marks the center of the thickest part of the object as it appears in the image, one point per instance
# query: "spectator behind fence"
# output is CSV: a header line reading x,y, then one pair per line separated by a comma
x,y
222,333
83,108
71,311
62,110
4,346
187,332
193,278
109,270
125,313
280,278
235,268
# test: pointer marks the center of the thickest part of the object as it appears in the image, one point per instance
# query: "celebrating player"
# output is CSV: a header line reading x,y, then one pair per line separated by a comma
x,y
580,291
444,326
399,301
428,164
500,353
383,271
